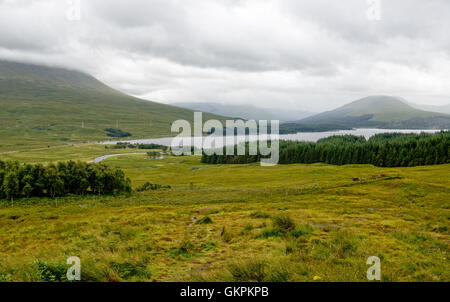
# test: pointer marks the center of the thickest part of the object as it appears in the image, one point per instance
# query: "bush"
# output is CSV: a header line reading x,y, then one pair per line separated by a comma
x,y
124,145
185,250
204,220
250,271
258,271
149,186
52,271
344,244
151,146
111,132
279,274
127,270
208,246
248,227
283,223
305,229
266,233
259,214
226,235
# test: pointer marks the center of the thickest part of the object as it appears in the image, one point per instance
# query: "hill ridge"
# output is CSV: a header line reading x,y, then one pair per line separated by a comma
x,y
47,106
380,111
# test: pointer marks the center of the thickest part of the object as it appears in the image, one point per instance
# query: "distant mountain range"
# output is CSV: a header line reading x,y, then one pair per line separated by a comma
x,y
440,109
373,111
247,112
42,106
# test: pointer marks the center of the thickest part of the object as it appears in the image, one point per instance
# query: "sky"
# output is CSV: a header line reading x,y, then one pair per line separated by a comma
x,y
308,55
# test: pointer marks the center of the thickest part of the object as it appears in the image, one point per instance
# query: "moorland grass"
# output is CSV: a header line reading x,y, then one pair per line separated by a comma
x,y
325,225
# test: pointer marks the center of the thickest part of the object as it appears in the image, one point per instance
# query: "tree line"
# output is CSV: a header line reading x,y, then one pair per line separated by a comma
x,y
53,180
126,145
112,132
383,150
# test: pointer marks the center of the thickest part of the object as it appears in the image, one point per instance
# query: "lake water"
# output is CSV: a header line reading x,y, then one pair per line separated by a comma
x,y
301,136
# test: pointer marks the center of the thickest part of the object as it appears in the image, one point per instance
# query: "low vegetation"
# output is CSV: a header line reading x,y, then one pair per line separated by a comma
x,y
111,132
125,145
149,186
318,225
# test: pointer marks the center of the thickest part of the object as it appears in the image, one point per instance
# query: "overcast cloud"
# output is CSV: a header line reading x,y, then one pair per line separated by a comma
x,y
312,55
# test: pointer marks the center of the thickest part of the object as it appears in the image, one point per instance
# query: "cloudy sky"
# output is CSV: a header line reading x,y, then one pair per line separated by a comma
x,y
311,55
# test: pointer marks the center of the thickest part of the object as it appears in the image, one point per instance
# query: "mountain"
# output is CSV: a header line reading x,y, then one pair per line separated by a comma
x,y
373,111
248,112
441,109
41,106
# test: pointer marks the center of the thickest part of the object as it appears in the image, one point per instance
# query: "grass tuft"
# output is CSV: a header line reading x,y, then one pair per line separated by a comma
x,y
204,220
283,223
259,214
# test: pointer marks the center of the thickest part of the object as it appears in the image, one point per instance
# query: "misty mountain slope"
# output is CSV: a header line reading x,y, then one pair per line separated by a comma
x,y
379,112
42,106
440,109
247,112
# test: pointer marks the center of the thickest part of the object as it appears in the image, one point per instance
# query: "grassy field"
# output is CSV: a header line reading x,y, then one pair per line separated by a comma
x,y
64,153
234,223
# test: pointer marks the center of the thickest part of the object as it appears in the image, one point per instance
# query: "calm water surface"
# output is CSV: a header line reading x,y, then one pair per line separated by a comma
x,y
301,136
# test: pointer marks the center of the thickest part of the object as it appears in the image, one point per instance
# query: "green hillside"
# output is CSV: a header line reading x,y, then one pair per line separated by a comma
x,y
378,112
45,106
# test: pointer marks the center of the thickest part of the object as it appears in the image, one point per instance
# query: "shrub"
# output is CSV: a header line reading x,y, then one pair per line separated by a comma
x,y
249,271
226,235
149,186
266,233
53,271
305,229
126,269
258,271
283,223
111,132
289,249
208,246
279,274
344,244
259,214
179,252
248,227
204,220
184,250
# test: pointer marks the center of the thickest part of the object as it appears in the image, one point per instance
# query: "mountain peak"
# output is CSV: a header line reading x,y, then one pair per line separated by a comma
x,y
380,111
25,75
377,104
54,106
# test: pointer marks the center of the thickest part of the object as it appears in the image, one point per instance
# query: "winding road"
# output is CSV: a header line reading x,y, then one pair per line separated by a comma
x,y
103,157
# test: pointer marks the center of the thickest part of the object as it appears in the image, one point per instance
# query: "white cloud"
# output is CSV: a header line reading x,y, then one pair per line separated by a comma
x,y
306,54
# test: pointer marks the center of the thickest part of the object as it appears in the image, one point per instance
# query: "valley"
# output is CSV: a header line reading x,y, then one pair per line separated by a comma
x,y
185,220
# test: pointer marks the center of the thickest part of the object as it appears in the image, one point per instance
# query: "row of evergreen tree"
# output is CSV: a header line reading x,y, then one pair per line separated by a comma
x,y
125,145
19,180
383,150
